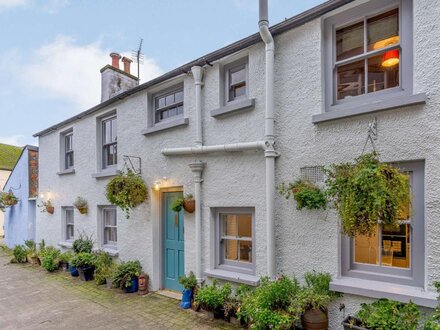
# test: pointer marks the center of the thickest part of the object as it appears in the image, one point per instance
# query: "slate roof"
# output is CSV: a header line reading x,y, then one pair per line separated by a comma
x,y
9,156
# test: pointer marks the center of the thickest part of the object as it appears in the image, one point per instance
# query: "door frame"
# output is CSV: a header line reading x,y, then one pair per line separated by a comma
x,y
161,241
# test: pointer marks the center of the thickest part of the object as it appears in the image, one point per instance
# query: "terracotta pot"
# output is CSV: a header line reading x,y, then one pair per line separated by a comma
x,y
34,260
315,319
82,210
50,209
10,202
189,205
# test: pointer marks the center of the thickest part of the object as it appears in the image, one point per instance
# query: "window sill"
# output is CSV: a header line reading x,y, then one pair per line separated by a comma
x,y
67,245
111,251
391,102
105,174
64,172
233,107
376,289
165,126
233,276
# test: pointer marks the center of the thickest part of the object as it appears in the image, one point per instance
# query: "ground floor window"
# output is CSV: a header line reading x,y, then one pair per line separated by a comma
x,y
109,226
235,239
69,224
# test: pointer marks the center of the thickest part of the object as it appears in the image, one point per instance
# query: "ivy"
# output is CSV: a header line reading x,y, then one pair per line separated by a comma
x,y
305,193
126,190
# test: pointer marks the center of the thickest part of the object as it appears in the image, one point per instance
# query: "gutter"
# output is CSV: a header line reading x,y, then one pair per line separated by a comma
x,y
277,29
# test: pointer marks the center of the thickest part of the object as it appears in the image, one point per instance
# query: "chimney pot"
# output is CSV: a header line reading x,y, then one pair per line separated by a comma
x,y
115,59
126,62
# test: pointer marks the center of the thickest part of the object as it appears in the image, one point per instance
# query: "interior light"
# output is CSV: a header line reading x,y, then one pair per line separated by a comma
x,y
390,58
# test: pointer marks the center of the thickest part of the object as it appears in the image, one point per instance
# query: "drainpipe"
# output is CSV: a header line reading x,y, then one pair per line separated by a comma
x,y
197,72
270,154
241,146
197,169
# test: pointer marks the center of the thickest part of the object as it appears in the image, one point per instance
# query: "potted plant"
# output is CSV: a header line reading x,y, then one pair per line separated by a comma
x,y
81,205
103,267
20,254
32,253
47,206
85,263
306,194
8,198
212,298
50,259
189,283
41,249
126,190
189,204
433,322
65,258
384,314
232,305
125,276
367,192
313,300
83,243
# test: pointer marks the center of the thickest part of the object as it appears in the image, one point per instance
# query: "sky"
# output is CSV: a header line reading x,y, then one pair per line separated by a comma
x,y
51,51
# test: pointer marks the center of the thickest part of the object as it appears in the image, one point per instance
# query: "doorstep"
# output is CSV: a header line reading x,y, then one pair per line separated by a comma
x,y
170,294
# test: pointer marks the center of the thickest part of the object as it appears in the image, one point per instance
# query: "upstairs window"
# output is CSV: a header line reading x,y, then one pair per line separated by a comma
x,y
109,142
168,105
110,229
67,159
236,80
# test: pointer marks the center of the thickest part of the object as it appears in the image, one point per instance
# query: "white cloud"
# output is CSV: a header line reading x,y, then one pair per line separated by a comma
x,y
65,70
7,4
16,140
48,6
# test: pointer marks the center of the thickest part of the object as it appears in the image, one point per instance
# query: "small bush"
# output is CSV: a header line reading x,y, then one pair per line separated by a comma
x,y
125,272
433,323
104,267
189,282
305,193
212,297
66,256
83,259
84,243
50,259
20,254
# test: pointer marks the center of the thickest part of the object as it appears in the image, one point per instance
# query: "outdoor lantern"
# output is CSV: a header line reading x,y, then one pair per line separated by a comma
x,y
156,185
143,284
390,58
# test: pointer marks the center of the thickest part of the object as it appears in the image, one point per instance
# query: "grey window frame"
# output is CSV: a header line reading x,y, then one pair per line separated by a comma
x,y
64,151
171,90
414,276
351,16
243,62
106,146
66,224
103,209
239,267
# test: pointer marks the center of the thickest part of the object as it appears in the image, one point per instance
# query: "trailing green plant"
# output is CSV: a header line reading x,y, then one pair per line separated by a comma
x,y
126,190
212,297
366,192
83,243
50,259
7,199
47,206
104,267
177,205
83,260
269,306
306,194
389,314
20,254
125,272
189,282
433,322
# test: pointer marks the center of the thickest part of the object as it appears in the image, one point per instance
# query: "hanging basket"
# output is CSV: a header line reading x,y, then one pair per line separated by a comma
x,y
82,210
50,209
189,205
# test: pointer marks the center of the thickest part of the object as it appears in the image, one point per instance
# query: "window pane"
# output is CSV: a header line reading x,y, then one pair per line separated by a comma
x,y
69,232
237,91
172,112
381,77
161,102
69,160
111,153
179,96
114,131
366,249
246,251
351,79
231,249
396,246
170,99
383,30
350,41
245,225
68,142
69,216
180,109
229,225
237,75
106,131
110,217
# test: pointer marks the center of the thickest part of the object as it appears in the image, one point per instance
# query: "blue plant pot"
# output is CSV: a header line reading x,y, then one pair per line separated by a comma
x,y
73,271
133,287
86,273
186,299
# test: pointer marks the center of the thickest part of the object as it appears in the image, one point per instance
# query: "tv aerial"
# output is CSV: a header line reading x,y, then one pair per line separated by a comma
x,y
137,56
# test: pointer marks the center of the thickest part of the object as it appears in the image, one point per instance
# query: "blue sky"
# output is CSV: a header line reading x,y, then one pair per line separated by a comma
x,y
51,50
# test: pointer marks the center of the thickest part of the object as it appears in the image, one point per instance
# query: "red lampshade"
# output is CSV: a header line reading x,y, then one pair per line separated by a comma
x,y
390,58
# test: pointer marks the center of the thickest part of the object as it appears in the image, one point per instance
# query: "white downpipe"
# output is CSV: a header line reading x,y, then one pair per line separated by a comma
x,y
233,147
270,154
197,72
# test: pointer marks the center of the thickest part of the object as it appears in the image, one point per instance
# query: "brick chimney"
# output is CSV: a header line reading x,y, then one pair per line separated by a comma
x,y
114,80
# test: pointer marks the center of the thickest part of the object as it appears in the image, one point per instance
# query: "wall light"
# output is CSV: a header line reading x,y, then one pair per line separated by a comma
x,y
156,185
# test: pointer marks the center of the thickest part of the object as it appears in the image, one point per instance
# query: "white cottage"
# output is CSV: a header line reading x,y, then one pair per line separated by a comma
x,y
231,125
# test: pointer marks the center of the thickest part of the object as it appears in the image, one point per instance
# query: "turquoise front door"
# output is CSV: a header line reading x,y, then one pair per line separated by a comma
x,y
173,242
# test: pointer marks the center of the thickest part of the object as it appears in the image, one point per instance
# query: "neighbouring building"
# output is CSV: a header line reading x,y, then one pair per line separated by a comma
x,y
23,182
228,129
8,157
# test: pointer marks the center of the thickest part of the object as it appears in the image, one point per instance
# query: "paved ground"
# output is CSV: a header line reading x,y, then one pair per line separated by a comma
x,y
31,298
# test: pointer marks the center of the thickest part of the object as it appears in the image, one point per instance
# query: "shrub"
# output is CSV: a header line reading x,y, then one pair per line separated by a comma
x,y
389,314
126,190
189,282
31,248
20,254
66,257
232,305
367,192
269,305
83,259
104,267
125,272
84,243
305,193
433,323
212,297
50,259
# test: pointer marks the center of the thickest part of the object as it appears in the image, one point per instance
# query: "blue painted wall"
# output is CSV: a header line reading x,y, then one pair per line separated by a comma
x,y
20,218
